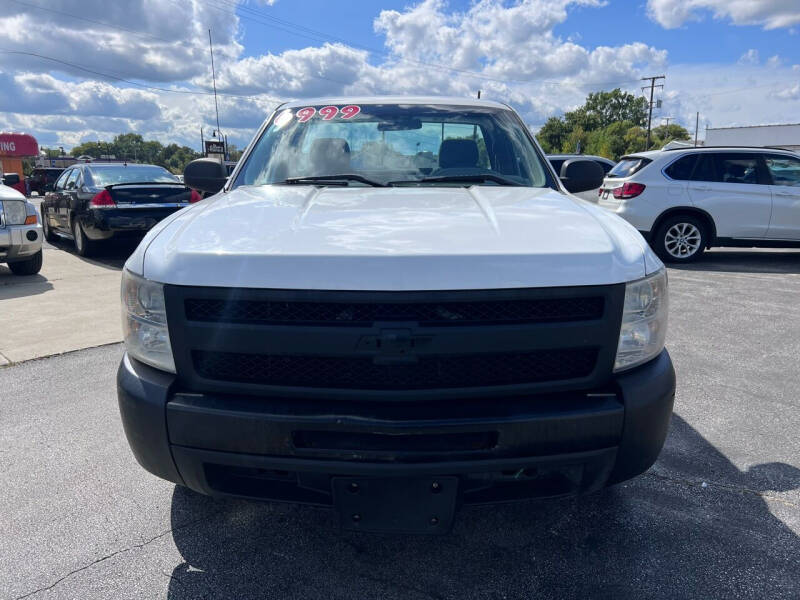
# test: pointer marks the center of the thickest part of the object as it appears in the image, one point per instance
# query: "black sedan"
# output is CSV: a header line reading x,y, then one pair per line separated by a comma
x,y
93,202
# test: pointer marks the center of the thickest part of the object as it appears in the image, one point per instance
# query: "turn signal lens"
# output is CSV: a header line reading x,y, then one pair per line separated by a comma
x,y
31,220
628,190
102,199
195,197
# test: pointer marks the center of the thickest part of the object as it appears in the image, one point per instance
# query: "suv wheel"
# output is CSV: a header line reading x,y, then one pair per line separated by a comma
x,y
680,239
83,244
29,266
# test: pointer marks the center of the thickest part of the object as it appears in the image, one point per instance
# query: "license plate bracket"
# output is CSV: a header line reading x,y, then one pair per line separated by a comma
x,y
396,505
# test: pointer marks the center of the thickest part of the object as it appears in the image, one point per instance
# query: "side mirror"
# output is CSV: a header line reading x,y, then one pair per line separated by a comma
x,y
10,179
581,175
205,174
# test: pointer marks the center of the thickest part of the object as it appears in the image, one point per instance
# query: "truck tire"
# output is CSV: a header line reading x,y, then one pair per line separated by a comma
x,y
29,266
83,245
680,239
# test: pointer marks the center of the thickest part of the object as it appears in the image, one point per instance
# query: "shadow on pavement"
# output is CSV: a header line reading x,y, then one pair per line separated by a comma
x,y
745,261
662,535
17,286
110,255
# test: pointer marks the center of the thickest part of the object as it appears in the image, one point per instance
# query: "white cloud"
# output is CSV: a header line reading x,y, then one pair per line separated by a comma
x,y
769,14
774,61
134,39
792,93
751,57
328,69
44,94
729,95
506,48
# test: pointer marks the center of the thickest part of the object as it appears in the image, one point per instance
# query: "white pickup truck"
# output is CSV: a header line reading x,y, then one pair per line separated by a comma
x,y
394,306
20,230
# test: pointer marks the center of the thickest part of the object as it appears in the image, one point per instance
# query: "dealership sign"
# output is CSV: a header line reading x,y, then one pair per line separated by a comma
x,y
214,147
18,144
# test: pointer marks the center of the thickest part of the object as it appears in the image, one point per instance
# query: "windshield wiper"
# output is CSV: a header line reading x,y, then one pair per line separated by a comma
x,y
311,179
499,179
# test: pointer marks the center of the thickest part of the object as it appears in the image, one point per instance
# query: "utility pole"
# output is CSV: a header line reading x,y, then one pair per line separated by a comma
x,y
202,143
668,119
696,127
213,77
652,87
479,94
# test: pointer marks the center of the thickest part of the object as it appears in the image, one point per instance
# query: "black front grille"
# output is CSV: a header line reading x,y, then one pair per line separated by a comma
x,y
398,345
428,372
538,310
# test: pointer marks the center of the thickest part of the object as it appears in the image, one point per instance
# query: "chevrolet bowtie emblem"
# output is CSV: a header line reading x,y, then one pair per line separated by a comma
x,y
392,346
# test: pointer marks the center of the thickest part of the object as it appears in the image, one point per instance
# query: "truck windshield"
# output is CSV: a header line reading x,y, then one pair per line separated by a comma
x,y
394,144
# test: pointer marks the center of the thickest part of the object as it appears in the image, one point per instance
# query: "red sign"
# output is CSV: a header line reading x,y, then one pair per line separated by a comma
x,y
18,144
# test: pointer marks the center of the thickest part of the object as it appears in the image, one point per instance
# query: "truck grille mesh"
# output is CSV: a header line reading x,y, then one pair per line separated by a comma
x,y
539,310
428,372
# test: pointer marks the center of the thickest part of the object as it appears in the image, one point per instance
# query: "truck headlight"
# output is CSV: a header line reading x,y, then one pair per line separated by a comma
x,y
14,212
144,322
644,321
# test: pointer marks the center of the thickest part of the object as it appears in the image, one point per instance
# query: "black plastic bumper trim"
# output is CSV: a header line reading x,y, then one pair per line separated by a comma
x,y
630,438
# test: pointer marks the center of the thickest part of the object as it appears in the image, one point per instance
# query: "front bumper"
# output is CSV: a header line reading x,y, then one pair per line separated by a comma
x,y
292,450
19,242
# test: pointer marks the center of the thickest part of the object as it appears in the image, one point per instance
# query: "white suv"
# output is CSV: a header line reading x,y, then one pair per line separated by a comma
x,y
684,201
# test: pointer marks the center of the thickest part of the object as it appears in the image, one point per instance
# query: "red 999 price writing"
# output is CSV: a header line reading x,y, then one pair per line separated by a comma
x,y
328,112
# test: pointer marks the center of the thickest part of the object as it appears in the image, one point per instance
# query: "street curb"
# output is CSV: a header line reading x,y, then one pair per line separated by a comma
x,y
10,363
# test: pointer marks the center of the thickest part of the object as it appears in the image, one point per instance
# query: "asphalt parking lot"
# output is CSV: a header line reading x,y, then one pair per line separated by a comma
x,y
718,516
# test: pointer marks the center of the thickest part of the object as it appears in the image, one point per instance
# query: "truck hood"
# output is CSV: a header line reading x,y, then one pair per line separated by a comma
x,y
356,238
9,193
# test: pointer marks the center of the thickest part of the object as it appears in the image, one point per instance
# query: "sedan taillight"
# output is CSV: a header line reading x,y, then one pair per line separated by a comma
x,y
102,199
628,190
195,197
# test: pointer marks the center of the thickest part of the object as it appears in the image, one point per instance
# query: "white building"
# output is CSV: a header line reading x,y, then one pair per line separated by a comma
x,y
782,136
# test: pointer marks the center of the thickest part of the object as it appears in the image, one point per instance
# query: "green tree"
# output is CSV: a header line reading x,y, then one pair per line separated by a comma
x,y
663,134
576,141
609,107
234,153
635,139
582,118
602,125
50,152
552,135
133,147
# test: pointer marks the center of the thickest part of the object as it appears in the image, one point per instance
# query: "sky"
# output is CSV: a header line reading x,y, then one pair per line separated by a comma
x,y
82,70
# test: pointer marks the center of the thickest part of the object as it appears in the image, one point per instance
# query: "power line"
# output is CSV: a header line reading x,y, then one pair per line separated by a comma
x,y
141,85
66,14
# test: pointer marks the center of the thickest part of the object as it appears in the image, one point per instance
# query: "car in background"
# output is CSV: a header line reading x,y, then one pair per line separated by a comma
x,y
686,200
558,160
20,231
42,179
94,202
